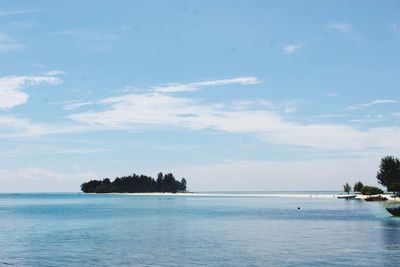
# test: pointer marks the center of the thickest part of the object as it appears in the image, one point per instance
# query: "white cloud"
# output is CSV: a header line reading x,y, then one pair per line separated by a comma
x,y
329,116
26,148
342,27
22,24
88,35
93,40
251,104
291,48
14,127
157,110
190,87
9,44
16,12
54,72
373,103
317,174
35,179
290,109
332,94
369,119
11,86
396,114
76,105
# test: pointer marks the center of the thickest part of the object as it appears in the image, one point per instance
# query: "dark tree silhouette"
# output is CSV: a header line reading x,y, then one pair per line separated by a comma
x,y
389,174
136,184
346,188
358,186
371,190
182,185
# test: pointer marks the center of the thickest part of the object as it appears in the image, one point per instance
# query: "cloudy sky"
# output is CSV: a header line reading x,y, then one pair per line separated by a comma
x,y
244,95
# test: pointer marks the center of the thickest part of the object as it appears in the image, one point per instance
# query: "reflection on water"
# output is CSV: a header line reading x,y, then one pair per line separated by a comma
x,y
391,240
391,232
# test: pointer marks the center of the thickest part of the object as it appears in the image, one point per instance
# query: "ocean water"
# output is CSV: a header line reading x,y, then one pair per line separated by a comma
x,y
121,230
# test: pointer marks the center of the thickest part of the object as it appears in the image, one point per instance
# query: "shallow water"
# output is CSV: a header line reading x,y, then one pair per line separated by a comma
x,y
121,230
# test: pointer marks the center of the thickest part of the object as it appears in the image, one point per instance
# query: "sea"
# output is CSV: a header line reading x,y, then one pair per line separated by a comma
x,y
212,229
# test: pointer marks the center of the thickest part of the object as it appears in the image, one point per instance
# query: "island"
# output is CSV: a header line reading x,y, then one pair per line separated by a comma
x,y
136,184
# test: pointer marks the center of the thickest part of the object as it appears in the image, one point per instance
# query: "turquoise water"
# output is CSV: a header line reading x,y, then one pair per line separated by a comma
x,y
119,230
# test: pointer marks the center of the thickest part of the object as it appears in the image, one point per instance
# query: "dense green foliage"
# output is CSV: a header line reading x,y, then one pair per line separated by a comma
x,y
371,190
347,188
389,174
136,184
358,187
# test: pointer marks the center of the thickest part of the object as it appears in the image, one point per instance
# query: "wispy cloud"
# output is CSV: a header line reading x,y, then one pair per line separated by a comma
x,y
16,127
11,86
9,44
76,105
373,103
54,72
88,35
160,110
369,119
16,12
190,87
308,173
396,114
25,149
330,116
22,24
79,150
155,110
94,40
291,48
332,94
340,26
27,177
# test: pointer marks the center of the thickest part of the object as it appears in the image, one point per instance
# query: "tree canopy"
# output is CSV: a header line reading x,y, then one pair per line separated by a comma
x,y
358,186
371,190
346,188
136,184
389,173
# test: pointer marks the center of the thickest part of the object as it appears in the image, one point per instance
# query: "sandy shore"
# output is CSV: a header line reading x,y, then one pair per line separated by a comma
x,y
285,195
195,194
363,197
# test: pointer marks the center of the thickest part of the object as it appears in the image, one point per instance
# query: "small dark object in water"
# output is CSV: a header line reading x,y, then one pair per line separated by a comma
x,y
395,211
376,198
298,208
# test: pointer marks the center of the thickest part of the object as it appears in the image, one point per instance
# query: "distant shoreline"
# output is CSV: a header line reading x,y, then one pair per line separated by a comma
x,y
313,195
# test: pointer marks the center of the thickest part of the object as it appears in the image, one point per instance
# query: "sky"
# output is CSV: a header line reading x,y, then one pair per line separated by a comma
x,y
231,95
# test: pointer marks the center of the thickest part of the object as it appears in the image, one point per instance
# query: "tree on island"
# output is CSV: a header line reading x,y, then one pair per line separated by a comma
x,y
371,190
346,188
358,186
136,184
389,174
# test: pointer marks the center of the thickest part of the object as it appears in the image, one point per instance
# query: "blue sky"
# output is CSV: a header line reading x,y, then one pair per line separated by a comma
x,y
253,95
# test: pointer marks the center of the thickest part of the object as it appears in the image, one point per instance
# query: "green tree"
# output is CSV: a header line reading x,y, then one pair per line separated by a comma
x,y
183,182
371,190
160,181
181,186
135,184
358,186
389,174
346,188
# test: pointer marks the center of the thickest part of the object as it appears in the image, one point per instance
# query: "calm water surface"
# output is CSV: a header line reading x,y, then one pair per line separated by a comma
x,y
120,230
